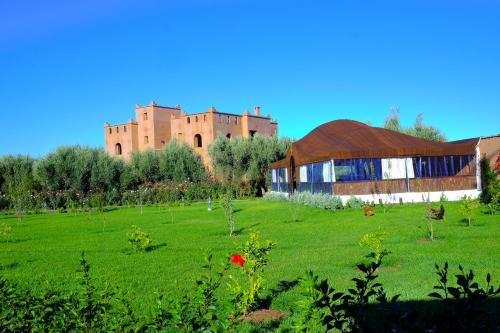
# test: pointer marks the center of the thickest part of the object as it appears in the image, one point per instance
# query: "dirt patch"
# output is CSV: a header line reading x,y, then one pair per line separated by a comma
x,y
389,268
422,241
263,315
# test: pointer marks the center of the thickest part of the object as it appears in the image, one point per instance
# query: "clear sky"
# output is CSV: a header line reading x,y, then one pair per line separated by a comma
x,y
66,67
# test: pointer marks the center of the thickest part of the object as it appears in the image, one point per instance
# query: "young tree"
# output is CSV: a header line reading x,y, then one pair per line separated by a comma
x,y
467,207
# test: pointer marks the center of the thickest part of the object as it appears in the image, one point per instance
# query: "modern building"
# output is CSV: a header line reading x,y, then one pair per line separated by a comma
x,y
155,125
346,157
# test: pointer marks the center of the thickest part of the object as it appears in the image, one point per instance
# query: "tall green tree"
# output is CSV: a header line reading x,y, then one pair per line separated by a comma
x,y
247,160
178,162
419,129
17,182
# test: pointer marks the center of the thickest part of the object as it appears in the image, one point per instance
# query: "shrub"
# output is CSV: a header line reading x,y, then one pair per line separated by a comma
x,y
253,259
275,196
489,182
6,232
318,200
139,239
354,202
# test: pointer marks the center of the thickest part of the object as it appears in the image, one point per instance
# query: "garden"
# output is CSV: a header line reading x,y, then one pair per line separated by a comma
x,y
156,257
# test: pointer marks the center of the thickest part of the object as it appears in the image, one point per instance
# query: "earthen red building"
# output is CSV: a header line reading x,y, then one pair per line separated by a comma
x,y
155,125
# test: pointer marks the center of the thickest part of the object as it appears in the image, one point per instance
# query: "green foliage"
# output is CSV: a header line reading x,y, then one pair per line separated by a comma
x,y
467,206
16,180
6,232
419,129
373,241
178,162
246,160
469,311
247,294
139,239
354,202
225,201
490,184
318,200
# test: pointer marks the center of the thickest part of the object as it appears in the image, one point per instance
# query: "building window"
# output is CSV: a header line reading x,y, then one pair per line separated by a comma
x,y
228,135
228,118
162,142
110,131
219,119
204,117
125,128
188,120
196,118
117,129
146,139
236,120
252,133
145,116
197,141
118,149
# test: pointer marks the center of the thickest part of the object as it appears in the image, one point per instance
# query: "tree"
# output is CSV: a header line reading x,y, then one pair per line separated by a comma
x,y
178,162
247,160
17,182
419,129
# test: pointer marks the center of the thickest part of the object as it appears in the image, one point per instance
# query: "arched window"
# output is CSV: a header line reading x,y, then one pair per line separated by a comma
x,y
188,120
228,135
118,149
197,141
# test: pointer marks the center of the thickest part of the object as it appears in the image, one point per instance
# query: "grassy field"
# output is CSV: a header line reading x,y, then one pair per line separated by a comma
x,y
45,249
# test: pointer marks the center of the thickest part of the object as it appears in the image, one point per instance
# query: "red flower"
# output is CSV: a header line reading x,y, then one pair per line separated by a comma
x,y
237,259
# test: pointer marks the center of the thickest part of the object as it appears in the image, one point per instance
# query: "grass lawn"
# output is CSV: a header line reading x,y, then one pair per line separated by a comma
x,y
45,249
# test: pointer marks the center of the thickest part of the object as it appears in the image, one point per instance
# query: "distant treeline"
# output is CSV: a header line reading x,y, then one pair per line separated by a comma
x,y
80,176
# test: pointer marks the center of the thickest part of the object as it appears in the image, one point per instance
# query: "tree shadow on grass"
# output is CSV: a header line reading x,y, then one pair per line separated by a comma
x,y
283,286
465,223
15,241
152,248
9,266
240,231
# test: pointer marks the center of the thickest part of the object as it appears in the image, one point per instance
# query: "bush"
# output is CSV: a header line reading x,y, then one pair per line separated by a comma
x,y
318,200
354,202
275,196
139,239
489,182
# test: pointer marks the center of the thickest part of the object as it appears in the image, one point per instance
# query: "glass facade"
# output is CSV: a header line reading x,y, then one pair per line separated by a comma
x,y
443,166
279,180
316,177
358,169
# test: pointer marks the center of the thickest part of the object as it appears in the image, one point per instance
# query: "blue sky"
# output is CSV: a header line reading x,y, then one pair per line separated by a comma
x,y
66,67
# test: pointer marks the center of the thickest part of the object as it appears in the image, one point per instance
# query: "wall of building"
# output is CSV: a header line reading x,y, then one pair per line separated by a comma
x,y
154,125
123,134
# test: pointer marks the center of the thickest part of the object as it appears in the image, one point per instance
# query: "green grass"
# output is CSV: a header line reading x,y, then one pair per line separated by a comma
x,y
45,249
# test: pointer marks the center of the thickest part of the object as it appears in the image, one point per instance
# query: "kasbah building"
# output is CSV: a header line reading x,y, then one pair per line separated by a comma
x,y
156,125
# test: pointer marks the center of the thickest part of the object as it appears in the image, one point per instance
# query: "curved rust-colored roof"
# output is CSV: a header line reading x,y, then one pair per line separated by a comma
x,y
343,139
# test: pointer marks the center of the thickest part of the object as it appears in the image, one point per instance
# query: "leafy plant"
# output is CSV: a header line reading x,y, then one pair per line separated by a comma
x,y
374,242
139,239
467,207
246,295
6,232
